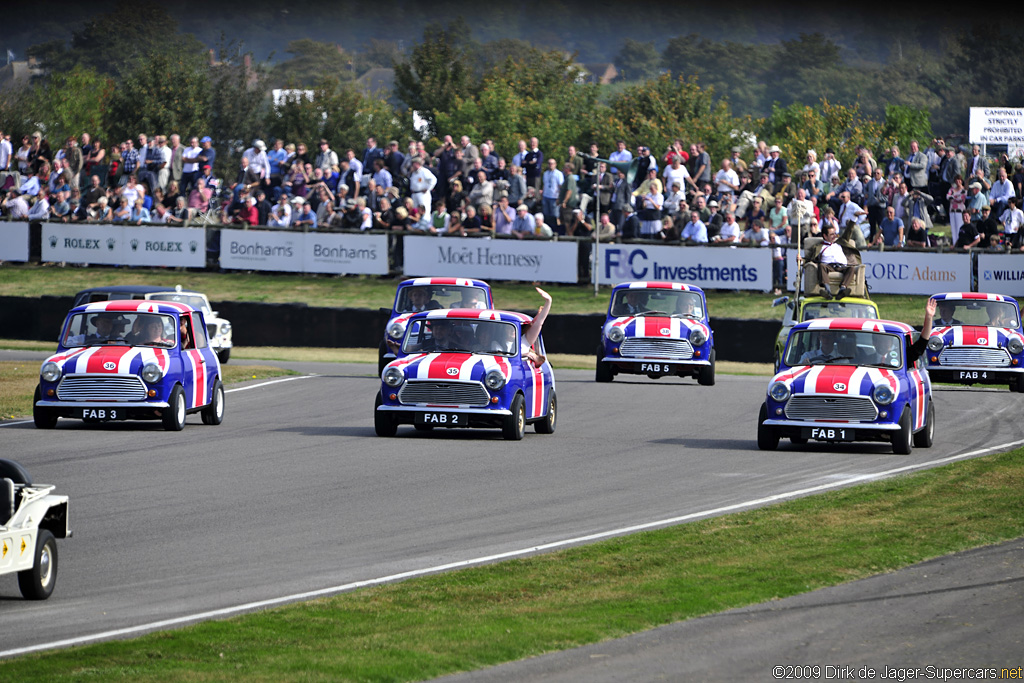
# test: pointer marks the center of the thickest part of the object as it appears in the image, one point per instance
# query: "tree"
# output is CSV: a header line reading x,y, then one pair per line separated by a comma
x,y
637,60
437,73
312,61
162,93
798,128
238,102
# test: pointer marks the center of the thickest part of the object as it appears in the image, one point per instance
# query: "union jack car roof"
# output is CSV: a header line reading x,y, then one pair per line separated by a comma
x,y
678,286
855,324
473,314
134,306
973,296
458,281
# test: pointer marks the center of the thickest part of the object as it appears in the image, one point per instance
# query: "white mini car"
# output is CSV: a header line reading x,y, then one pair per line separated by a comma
x,y
31,519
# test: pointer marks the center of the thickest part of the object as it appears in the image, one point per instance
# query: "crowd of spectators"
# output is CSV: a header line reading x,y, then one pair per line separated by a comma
x,y
754,197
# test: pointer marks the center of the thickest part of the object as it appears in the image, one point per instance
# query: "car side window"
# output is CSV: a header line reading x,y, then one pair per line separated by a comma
x,y
787,319
187,338
200,336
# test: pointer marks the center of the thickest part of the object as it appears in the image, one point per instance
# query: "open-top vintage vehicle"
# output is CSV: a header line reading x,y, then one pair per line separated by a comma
x,y
32,517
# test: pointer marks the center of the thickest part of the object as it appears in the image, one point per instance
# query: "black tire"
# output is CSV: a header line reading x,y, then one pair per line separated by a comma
x,y
603,372
902,440
213,414
223,355
1018,384
767,437
706,374
514,426
174,414
383,424
43,417
549,422
37,583
381,361
15,471
925,437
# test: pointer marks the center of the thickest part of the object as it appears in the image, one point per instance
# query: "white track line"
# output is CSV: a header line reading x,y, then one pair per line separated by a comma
x,y
261,604
226,391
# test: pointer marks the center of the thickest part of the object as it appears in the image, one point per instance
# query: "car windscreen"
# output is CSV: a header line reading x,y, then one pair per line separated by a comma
x,y
974,312
665,302
134,329
455,335
844,347
839,309
429,297
197,302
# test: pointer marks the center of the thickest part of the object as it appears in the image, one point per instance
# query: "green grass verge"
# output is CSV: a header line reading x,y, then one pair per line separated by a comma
x,y
18,380
375,292
479,617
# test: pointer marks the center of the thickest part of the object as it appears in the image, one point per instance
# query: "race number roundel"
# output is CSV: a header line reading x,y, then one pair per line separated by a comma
x,y
666,331
109,365
453,371
839,386
982,340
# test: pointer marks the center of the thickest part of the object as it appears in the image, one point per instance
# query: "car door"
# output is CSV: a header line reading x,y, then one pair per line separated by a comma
x,y
201,366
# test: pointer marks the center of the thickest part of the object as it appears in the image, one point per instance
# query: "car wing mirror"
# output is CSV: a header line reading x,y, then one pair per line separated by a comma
x,y
780,301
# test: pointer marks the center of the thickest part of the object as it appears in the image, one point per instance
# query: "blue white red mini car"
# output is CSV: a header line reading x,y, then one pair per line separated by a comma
x,y
977,339
657,329
467,368
426,294
850,379
131,360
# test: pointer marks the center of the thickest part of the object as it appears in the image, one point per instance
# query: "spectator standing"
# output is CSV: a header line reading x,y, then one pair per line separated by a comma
x,y
1012,219
553,179
177,165
775,167
957,198
190,164
533,165
568,194
977,163
890,230
421,184
1002,190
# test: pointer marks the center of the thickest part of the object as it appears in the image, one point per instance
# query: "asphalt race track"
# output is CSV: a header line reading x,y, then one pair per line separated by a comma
x,y
294,493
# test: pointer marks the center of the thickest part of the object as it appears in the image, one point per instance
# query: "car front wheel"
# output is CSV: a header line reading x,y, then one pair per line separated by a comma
x,y
223,355
43,417
902,440
174,413
767,437
514,426
706,375
925,437
604,370
547,425
383,424
37,583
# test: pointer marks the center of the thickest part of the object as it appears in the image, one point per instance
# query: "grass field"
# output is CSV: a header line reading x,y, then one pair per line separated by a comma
x,y
479,617
374,292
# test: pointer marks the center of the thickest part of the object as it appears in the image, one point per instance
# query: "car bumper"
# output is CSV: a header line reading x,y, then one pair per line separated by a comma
x,y
656,366
475,417
967,375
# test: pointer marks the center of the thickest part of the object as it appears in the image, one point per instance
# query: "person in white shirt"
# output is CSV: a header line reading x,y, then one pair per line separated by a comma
x,y
1012,220
421,182
999,195
851,211
621,154
727,183
29,184
190,164
40,211
832,256
676,173
730,231
6,151
281,214
756,235
800,211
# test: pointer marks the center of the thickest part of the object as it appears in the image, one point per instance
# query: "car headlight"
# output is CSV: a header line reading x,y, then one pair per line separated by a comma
x,y
225,329
884,394
935,343
779,392
393,377
151,373
697,337
494,380
616,334
396,329
1015,345
50,371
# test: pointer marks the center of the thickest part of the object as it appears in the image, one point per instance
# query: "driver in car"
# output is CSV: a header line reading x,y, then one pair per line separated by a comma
x,y
108,326
419,300
635,302
446,336
494,338
472,298
688,307
824,352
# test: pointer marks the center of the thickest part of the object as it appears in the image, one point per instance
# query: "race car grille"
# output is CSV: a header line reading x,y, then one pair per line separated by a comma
x,y
444,393
211,331
640,347
974,356
818,407
105,388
